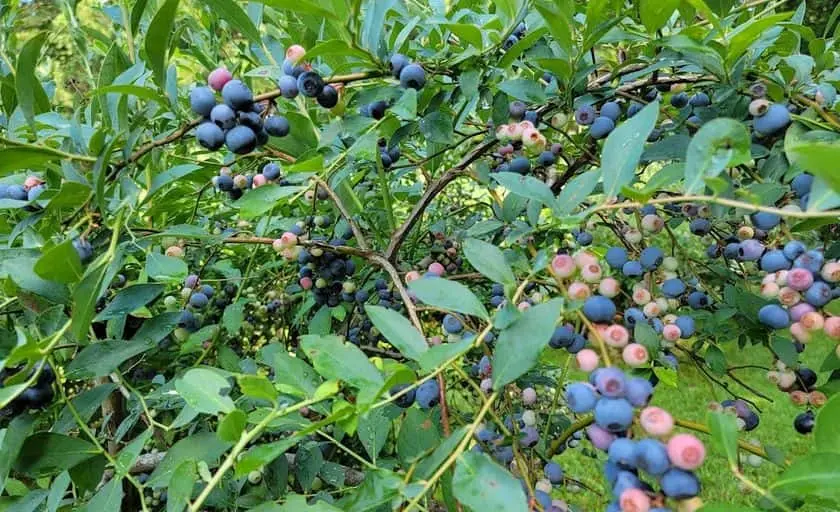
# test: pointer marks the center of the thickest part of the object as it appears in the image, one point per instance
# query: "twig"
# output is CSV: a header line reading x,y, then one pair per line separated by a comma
x,y
360,238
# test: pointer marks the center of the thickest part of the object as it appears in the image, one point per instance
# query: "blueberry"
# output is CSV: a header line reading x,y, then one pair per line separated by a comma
x,y
633,316
237,95
291,69
496,300
632,268
651,258
698,300
397,63
271,171
701,99
686,325
750,250
310,84
288,86
806,378
377,109
583,238
700,226
585,115
638,391
562,337
804,422
404,401
533,117
83,249
413,76
520,165
765,220
599,309
634,108
730,250
251,120
713,251
818,294
277,126
622,452
580,397
801,184
613,414
651,456
578,343
773,261
517,110
553,472
774,316
811,260
198,300
452,325
207,290
611,109
35,191
208,135
679,484
202,101
679,100
241,139
673,288
328,97
394,153
616,257
187,320
776,118
428,394
624,480
601,127
546,159
510,41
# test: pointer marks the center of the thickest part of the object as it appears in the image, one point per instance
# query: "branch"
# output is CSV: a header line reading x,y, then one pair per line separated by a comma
x,y
435,188
360,238
723,201
47,149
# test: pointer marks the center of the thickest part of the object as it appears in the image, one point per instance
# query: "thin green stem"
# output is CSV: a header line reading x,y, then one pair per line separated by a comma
x,y
386,195
47,149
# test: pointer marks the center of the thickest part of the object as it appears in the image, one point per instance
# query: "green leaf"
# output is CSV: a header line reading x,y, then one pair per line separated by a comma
x,y
406,107
398,331
449,295
524,89
439,354
204,446
60,263
181,487
205,391
337,360
418,434
576,191
260,200
165,268
21,272
724,430
525,186
157,40
13,159
145,93
817,157
437,127
46,453
827,429
57,490
31,97
257,386
298,503
746,34
466,32
262,454
130,299
100,359
374,427
293,375
335,47
655,13
481,484
170,176
718,144
308,462
697,53
813,476
645,334
235,17
428,465
86,405
11,441
624,147
109,497
520,345
232,425
373,23
489,260
132,450
559,18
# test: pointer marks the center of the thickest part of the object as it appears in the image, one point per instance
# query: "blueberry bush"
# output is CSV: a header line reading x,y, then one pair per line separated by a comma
x,y
369,255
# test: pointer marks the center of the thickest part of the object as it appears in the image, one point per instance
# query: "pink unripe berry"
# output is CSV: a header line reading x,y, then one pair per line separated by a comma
x,y
799,333
799,397
503,133
817,398
652,309
306,283
523,306
225,171
781,277
32,181
295,52
671,332
831,327
591,273
641,296
437,269
486,385
587,360
616,335
652,223
797,311
769,278
663,304
634,500
514,131
277,245
505,150
635,354
412,275
579,291
288,239
800,279
609,287
812,321
218,78
656,421
175,251
686,451
532,140
563,265
788,296
831,272
259,180
529,396
770,290
584,258
435,340
290,253
601,438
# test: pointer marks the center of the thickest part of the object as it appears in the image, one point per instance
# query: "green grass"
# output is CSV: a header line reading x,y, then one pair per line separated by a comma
x,y
689,401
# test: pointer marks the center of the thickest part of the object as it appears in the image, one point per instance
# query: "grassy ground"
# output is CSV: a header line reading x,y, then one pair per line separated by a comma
x,y
689,400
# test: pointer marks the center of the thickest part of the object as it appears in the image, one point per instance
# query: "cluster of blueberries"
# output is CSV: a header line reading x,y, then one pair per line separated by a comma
x,y
518,33
31,188
37,396
238,122
363,330
298,78
613,398
236,184
200,300
427,394
410,75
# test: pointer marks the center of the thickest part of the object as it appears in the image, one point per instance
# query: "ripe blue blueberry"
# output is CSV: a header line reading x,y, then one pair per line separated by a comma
x,y
613,414
240,139
413,76
651,457
651,258
638,391
546,158
271,171
35,191
599,309
679,100
775,119
616,257
611,109
520,165
622,452
198,300
773,261
730,250
288,86
634,108
578,343
510,41
580,397
610,382
404,401
202,101
277,126
310,84
562,337
397,63
237,95
750,250
794,249
625,480
533,117
207,290
679,484
585,115
632,316
428,394
765,220
516,110
818,294
698,300
251,120
686,325
497,289
291,69
811,260
701,99
553,472
700,226
584,238
83,249
208,135
544,499
601,127
632,268
377,109
801,184
673,288
223,116
713,251
774,316
648,209
328,97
